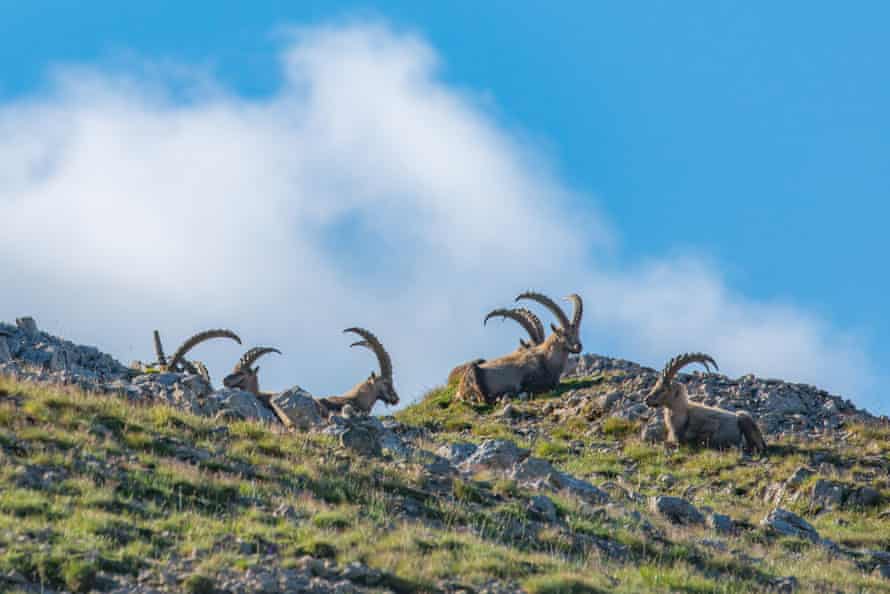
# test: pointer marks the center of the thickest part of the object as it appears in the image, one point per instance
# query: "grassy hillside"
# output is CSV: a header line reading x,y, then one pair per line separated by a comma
x,y
96,493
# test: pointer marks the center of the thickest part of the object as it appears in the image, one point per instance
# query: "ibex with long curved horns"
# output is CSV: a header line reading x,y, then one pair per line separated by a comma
x,y
536,367
694,423
377,387
178,363
246,377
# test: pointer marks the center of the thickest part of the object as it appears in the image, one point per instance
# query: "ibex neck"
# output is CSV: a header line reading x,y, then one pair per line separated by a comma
x,y
362,396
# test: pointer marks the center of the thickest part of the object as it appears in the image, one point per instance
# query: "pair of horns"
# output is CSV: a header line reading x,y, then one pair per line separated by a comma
x,y
188,345
680,361
251,357
526,318
369,341
556,310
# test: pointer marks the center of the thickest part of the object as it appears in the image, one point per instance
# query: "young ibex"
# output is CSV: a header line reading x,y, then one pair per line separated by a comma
x,y
377,387
535,368
693,423
246,377
178,362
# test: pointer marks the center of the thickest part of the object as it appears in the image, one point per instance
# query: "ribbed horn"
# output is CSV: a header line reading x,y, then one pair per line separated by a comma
x,y
371,342
251,356
198,339
518,316
680,361
159,350
578,306
535,321
550,304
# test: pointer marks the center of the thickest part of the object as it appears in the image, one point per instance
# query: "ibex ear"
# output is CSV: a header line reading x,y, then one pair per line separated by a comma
x,y
373,375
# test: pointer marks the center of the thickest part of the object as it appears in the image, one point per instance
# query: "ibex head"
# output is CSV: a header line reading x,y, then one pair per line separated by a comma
x,y
568,333
245,376
666,391
379,386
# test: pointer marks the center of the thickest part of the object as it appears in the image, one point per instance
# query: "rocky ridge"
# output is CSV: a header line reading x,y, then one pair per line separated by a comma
x,y
507,466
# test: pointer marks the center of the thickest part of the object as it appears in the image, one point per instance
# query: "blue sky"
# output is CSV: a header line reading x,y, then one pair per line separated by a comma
x,y
750,138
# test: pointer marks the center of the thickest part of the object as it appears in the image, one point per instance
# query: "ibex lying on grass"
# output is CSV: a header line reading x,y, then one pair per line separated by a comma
x,y
693,423
246,377
533,368
178,362
377,387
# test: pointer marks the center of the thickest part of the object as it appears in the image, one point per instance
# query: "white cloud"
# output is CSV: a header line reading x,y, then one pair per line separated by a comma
x,y
364,192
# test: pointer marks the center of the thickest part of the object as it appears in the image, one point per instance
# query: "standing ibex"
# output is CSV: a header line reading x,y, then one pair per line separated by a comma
x,y
245,376
377,387
694,423
533,368
177,363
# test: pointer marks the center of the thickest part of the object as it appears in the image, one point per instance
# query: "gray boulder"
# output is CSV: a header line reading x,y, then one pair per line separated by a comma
x,y
361,440
721,523
676,509
654,431
542,508
457,452
29,327
579,488
237,404
297,408
787,523
829,493
864,497
532,470
5,355
494,454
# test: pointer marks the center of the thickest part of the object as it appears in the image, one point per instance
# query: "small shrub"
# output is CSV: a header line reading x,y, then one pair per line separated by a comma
x,y
618,427
334,520
198,584
554,450
560,584
79,575
319,549
466,492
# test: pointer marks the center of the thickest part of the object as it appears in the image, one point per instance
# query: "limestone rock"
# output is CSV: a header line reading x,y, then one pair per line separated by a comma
x,y
789,524
541,507
494,454
297,408
239,403
676,509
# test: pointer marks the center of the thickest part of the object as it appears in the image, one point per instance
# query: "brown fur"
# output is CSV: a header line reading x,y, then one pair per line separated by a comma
x,y
532,368
365,394
698,424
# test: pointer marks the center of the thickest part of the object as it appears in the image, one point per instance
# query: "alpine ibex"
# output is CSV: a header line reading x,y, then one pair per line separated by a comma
x,y
178,362
377,387
694,423
246,377
533,368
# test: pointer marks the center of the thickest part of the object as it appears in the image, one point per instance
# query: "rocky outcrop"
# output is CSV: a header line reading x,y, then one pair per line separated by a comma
x,y
676,509
27,353
779,407
786,523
